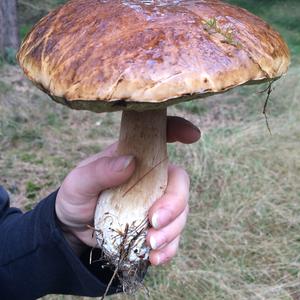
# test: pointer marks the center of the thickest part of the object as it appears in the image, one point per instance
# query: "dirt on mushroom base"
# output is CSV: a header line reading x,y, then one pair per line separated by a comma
x,y
242,236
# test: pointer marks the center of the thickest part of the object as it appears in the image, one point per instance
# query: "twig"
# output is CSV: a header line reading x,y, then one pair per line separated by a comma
x,y
91,256
110,282
269,91
140,179
93,229
121,258
264,90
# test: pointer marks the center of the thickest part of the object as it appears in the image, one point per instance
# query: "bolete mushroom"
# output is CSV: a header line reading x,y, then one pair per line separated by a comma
x,y
140,56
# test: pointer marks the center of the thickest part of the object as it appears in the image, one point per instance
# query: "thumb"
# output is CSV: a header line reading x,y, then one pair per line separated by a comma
x,y
100,174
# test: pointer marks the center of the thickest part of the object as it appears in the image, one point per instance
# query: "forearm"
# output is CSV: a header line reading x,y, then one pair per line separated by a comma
x,y
35,258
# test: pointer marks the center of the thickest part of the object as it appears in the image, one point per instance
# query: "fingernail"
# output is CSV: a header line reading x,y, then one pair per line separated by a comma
x,y
161,218
195,128
153,243
121,163
157,242
158,261
161,259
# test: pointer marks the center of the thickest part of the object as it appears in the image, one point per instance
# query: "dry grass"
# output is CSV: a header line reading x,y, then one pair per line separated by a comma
x,y
43,139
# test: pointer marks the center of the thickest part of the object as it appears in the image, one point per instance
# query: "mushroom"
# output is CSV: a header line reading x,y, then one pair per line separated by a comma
x,y
140,56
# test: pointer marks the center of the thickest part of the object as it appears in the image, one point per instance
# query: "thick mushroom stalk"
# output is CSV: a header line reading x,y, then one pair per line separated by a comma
x,y
121,220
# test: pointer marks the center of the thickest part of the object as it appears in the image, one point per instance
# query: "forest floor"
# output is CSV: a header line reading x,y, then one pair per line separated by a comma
x,y
242,239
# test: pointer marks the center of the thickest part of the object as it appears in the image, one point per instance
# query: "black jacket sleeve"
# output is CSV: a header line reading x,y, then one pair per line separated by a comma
x,y
36,260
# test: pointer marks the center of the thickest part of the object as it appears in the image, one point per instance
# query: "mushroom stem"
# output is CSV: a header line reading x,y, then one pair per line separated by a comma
x,y
143,134
121,215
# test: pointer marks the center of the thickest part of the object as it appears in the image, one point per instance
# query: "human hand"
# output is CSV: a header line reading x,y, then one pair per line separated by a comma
x,y
77,198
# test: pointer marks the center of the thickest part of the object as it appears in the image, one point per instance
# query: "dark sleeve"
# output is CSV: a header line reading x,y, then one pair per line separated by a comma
x,y
36,260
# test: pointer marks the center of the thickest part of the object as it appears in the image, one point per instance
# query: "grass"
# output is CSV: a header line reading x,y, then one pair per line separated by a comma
x,y
42,139
242,240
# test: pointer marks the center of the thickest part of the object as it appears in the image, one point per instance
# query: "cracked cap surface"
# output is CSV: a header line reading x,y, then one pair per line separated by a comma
x,y
104,55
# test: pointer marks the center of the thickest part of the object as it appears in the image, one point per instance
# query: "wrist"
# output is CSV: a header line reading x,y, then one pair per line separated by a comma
x,y
75,243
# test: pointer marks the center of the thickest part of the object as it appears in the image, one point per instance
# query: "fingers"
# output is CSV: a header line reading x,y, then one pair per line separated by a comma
x,y
181,130
174,201
161,256
99,174
158,238
168,217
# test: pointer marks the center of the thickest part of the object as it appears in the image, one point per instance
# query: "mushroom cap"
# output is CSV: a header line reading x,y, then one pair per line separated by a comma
x,y
104,55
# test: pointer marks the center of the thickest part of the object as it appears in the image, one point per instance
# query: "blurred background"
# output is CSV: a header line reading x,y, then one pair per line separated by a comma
x,y
242,240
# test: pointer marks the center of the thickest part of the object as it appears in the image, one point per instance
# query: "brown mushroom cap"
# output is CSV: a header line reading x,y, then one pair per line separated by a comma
x,y
106,55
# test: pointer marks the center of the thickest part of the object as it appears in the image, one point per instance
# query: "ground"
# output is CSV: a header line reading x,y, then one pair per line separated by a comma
x,y
242,239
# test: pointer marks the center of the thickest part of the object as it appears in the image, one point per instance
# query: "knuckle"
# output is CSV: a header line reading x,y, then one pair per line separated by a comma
x,y
172,249
186,175
70,182
187,210
166,236
178,199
